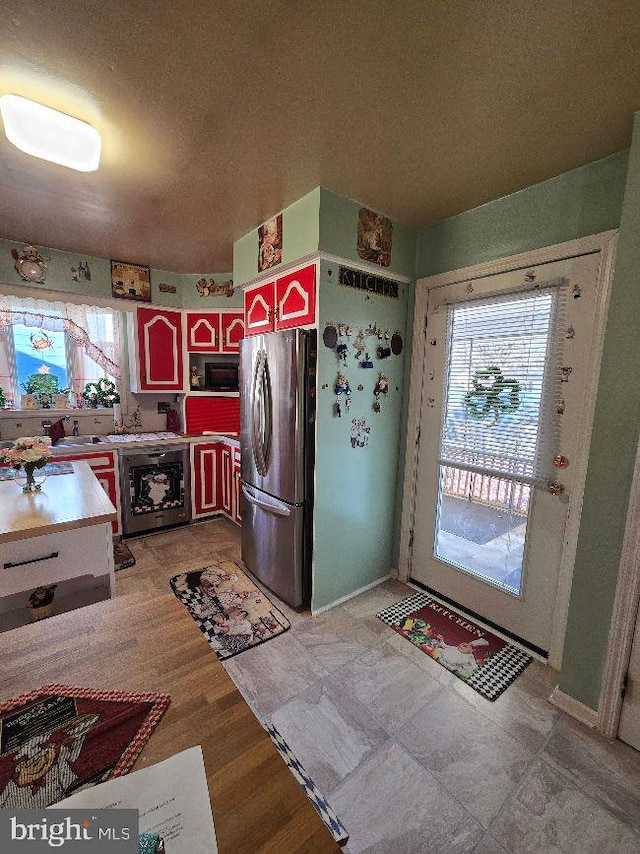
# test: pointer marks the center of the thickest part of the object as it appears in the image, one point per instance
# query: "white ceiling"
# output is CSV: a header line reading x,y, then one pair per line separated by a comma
x,y
217,115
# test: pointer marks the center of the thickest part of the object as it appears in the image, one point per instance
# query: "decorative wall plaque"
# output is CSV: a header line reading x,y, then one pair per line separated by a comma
x,y
209,288
351,278
375,237
270,243
130,281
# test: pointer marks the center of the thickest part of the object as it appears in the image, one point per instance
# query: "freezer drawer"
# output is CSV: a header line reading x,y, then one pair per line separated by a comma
x,y
272,543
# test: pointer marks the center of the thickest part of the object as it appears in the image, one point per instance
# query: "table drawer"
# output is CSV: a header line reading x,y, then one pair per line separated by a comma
x,y
36,561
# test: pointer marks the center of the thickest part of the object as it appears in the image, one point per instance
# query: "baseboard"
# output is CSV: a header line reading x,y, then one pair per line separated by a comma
x,y
315,611
574,708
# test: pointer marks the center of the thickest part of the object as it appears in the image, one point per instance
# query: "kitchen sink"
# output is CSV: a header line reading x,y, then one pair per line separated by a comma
x,y
77,440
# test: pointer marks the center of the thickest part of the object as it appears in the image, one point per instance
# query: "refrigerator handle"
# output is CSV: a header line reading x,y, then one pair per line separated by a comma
x,y
274,506
261,414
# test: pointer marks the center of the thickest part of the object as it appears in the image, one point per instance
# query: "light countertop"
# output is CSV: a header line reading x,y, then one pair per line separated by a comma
x,y
89,447
66,501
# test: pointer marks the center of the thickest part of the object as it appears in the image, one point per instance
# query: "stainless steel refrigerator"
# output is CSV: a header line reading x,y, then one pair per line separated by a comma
x,y
277,435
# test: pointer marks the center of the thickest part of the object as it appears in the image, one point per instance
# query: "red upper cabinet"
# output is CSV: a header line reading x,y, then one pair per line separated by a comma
x,y
231,331
214,331
259,315
288,302
296,298
157,363
203,331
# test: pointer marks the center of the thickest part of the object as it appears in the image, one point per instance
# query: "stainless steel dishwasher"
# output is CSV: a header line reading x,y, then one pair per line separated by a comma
x,y
155,487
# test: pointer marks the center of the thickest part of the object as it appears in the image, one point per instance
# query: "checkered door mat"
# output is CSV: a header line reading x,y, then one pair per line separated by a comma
x,y
489,680
318,801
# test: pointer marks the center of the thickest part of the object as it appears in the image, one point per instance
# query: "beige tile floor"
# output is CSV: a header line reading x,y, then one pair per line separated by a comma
x,y
411,759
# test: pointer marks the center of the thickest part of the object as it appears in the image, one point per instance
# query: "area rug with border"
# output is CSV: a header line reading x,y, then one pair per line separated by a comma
x,y
230,611
122,556
486,662
60,738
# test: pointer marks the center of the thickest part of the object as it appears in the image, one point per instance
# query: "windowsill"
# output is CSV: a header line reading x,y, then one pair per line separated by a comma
x,y
54,413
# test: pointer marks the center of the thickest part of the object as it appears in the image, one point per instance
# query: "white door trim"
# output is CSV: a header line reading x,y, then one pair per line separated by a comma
x,y
605,243
623,617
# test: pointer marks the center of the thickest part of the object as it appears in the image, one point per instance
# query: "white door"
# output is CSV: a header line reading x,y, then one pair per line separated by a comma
x,y
506,377
629,729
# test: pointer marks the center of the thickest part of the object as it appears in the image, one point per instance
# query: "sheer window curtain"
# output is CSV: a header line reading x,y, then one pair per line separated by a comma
x,y
94,337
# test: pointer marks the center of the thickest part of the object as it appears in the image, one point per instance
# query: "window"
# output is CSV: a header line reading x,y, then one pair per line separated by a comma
x,y
49,347
499,429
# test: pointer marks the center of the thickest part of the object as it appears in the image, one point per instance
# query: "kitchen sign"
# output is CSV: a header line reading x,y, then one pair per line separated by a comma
x,y
368,282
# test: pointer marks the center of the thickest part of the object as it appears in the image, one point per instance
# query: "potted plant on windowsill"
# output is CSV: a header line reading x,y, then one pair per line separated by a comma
x,y
44,386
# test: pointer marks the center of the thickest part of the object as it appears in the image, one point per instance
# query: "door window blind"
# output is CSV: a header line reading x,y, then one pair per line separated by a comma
x,y
502,391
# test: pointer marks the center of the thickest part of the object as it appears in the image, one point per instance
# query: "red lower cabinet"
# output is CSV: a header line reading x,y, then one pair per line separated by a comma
x,y
104,466
237,487
216,480
206,478
226,480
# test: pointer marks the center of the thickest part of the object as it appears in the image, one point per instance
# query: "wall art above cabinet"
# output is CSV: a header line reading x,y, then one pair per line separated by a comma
x,y
283,303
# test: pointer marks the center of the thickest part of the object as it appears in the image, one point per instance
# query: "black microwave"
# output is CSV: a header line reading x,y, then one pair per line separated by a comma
x,y
221,376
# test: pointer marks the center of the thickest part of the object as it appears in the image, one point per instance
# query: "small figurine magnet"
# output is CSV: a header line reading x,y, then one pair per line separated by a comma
x,y
342,385
576,291
382,386
359,433
367,363
342,351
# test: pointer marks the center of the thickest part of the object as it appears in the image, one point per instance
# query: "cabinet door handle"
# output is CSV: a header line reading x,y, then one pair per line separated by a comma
x,y
10,565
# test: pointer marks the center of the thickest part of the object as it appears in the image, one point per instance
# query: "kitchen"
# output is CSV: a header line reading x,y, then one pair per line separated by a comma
x,y
357,504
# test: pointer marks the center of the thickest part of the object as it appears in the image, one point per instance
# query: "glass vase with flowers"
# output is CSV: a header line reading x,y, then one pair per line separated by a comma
x,y
28,454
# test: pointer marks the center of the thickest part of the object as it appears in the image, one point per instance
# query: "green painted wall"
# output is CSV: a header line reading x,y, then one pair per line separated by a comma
x,y
355,487
60,277
300,237
610,471
583,201
339,234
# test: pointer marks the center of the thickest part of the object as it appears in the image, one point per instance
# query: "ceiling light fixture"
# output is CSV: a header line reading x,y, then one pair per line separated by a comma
x,y
50,135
